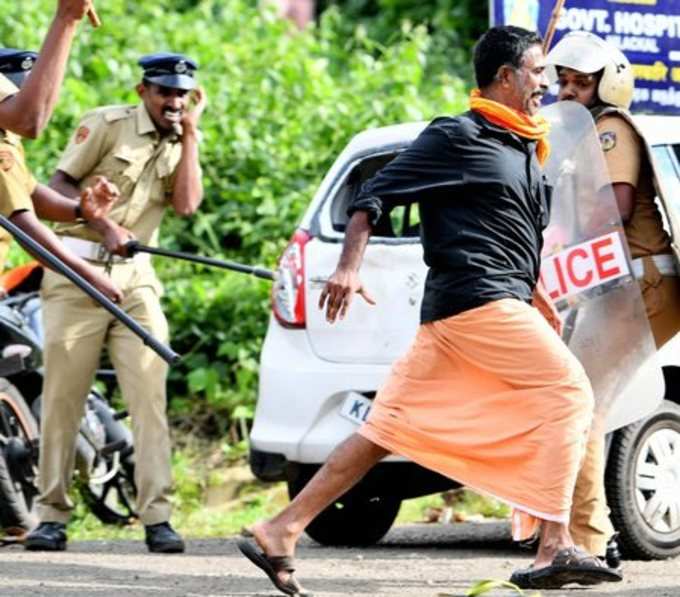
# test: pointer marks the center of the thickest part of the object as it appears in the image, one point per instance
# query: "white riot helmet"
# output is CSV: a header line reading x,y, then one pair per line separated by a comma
x,y
587,53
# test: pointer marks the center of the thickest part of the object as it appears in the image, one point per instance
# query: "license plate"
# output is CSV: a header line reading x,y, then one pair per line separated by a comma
x,y
355,408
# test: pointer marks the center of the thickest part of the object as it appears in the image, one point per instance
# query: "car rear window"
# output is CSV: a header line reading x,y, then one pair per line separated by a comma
x,y
402,222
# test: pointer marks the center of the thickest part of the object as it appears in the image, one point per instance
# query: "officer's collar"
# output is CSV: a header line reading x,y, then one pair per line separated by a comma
x,y
145,124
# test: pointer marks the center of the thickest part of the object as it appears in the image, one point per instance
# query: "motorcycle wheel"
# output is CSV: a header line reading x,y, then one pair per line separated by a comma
x,y
18,460
113,501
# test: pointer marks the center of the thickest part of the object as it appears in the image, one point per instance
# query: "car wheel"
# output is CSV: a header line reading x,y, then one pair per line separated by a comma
x,y
355,519
643,485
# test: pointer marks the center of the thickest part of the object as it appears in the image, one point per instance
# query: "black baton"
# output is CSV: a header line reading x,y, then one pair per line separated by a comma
x,y
259,272
165,352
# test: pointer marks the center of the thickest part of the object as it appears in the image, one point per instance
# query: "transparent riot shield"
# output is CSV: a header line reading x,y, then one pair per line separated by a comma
x,y
586,269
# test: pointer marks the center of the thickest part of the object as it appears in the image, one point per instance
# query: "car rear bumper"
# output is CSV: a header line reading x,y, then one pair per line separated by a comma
x,y
267,466
300,395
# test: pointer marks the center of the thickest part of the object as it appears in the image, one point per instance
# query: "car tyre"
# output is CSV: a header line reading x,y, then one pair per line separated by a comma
x,y
355,519
643,485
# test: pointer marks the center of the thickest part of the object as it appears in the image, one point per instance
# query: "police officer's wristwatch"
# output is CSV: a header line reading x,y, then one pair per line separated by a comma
x,y
79,214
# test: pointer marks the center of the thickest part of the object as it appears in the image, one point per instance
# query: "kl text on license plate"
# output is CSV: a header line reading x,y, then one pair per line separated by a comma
x,y
355,408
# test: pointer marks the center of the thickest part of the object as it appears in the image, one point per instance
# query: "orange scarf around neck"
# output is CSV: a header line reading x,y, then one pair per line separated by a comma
x,y
530,127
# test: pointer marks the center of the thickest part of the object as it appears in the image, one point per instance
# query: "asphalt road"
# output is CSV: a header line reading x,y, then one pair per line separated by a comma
x,y
413,561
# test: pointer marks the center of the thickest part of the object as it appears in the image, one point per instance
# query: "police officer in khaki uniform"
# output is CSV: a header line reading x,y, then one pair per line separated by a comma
x,y
20,193
150,151
599,76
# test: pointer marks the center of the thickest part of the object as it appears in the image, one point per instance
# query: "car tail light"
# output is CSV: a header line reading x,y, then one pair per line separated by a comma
x,y
288,292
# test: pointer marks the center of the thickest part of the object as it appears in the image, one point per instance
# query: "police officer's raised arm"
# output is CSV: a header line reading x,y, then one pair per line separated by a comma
x,y
27,112
187,192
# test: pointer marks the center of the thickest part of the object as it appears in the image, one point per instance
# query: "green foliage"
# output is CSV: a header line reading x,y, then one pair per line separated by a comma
x,y
462,502
281,107
470,502
453,25
214,496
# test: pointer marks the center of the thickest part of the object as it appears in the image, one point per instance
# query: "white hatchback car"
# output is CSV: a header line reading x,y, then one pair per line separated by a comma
x,y
317,380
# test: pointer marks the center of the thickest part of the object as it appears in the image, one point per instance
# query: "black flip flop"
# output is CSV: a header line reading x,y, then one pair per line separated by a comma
x,y
570,565
271,566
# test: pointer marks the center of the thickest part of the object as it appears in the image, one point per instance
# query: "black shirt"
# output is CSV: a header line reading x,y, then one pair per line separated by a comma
x,y
483,206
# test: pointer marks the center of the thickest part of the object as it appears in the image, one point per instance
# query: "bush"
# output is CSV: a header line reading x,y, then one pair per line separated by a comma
x,y
453,25
281,107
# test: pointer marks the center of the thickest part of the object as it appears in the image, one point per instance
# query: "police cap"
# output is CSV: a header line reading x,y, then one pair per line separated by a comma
x,y
169,70
16,64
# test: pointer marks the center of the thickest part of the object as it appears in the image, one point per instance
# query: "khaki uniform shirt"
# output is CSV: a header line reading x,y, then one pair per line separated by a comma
x,y
16,182
628,163
122,143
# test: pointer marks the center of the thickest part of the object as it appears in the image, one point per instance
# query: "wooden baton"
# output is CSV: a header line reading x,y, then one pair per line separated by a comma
x,y
552,24
92,15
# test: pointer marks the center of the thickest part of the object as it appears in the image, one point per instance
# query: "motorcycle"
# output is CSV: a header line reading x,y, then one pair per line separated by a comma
x,y
104,449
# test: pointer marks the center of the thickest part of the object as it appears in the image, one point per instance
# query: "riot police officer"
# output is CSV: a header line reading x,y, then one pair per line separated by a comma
x,y
597,75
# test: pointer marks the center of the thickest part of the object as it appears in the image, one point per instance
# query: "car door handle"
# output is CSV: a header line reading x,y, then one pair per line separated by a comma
x,y
317,281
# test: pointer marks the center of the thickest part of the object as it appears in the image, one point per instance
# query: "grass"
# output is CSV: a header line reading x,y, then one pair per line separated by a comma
x,y
216,496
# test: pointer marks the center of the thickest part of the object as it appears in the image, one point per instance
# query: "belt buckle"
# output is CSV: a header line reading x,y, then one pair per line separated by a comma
x,y
102,253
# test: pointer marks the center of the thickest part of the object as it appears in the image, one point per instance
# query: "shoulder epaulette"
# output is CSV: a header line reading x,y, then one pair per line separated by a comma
x,y
602,111
114,113
108,113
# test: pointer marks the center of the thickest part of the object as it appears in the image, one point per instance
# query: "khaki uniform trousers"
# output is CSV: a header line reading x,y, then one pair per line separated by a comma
x,y
76,329
590,526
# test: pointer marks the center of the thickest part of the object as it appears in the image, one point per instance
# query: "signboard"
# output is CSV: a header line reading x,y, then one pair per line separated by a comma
x,y
584,266
647,31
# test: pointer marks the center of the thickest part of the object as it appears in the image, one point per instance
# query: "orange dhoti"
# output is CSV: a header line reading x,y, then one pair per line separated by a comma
x,y
491,398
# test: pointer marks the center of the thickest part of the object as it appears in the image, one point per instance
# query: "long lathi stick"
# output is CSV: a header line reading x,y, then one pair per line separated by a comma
x,y
92,15
165,352
552,25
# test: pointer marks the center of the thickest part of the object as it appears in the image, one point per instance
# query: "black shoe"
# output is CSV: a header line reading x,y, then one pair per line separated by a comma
x,y
613,555
48,536
162,538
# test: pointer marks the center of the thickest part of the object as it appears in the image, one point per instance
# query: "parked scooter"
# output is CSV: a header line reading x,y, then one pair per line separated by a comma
x,y
104,451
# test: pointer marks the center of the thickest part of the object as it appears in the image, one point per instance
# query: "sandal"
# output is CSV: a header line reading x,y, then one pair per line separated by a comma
x,y
570,565
271,566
